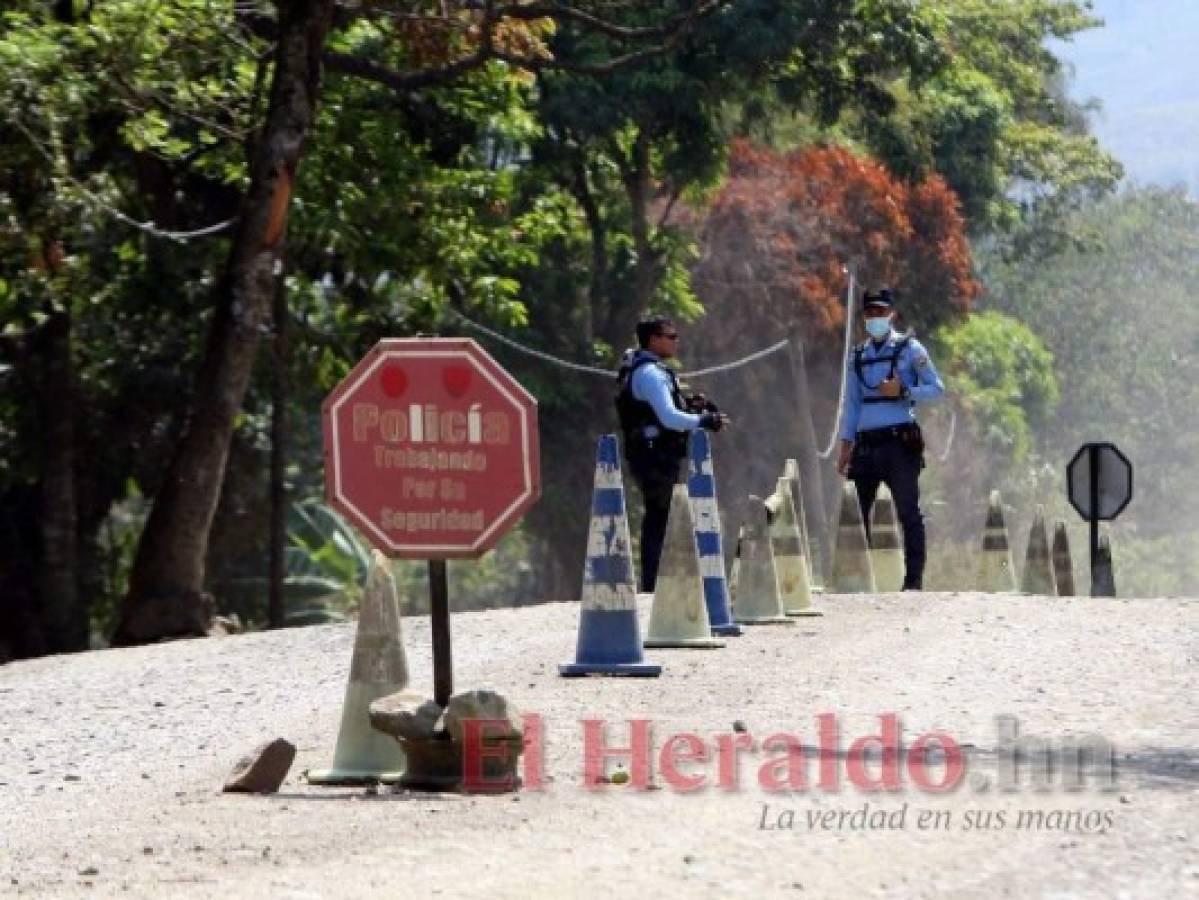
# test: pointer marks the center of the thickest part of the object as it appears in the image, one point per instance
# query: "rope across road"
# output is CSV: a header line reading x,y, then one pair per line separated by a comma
x,y
776,347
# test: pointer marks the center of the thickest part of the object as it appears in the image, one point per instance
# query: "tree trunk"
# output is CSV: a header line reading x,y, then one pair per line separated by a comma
x,y
275,610
22,632
624,311
64,620
597,293
166,597
648,267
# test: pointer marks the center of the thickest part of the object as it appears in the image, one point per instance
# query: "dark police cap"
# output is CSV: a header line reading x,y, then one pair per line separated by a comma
x,y
882,297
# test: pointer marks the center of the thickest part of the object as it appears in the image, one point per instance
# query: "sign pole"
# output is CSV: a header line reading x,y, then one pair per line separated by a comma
x,y
1093,452
439,609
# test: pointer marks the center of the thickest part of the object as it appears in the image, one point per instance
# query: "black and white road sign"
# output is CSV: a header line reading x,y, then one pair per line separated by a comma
x,y
1099,480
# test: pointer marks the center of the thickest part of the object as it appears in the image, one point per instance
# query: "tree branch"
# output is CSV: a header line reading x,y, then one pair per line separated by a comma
x,y
361,67
675,193
672,30
594,23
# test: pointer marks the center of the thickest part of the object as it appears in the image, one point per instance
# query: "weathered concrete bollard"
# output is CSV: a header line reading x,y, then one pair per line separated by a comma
x,y
1103,578
757,591
1038,567
1063,563
786,541
852,571
886,547
811,548
378,668
679,617
997,574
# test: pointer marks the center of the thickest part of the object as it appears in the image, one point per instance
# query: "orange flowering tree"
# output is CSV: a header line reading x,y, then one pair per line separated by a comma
x,y
782,233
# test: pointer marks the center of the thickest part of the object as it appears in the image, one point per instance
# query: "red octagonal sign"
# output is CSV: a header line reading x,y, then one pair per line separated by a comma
x,y
431,448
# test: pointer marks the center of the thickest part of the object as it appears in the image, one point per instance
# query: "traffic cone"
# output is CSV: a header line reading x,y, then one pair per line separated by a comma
x,y
886,550
852,571
795,590
997,574
757,594
1063,564
811,550
679,617
609,640
701,489
1038,567
1103,578
378,668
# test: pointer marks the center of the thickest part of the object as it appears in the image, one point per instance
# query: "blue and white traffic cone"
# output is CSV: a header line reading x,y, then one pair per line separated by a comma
x,y
701,489
609,639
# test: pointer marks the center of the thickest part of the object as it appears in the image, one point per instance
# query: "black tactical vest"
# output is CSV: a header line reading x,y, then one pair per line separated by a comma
x,y
636,415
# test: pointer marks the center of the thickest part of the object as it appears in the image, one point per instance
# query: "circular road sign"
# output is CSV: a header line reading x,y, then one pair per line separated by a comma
x,y
431,448
1113,473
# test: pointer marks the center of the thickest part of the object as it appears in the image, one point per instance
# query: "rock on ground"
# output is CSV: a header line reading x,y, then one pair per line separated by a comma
x,y
263,770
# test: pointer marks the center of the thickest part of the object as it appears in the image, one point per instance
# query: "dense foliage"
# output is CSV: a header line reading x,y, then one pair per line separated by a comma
x,y
179,181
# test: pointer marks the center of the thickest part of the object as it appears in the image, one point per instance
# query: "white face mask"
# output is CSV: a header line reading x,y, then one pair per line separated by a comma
x,y
878,327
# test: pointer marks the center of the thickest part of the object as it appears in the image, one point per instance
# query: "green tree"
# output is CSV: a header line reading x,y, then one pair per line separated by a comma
x,y
1120,319
996,122
88,299
1003,381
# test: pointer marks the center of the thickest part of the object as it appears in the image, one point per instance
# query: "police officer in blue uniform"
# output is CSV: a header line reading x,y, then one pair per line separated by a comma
x,y
881,442
655,417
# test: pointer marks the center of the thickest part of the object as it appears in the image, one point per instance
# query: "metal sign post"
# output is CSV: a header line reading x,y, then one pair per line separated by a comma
x,y
439,614
1099,484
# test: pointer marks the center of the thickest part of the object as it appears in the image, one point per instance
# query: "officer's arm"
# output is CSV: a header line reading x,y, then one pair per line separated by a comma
x,y
928,384
853,403
653,386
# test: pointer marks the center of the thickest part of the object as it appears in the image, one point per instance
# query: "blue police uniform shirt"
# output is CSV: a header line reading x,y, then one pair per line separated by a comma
x,y
652,385
914,370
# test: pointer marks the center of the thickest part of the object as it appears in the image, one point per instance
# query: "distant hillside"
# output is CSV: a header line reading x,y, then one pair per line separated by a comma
x,y
1143,66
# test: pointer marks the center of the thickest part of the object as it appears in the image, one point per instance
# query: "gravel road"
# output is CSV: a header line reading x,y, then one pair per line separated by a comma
x,y
113,761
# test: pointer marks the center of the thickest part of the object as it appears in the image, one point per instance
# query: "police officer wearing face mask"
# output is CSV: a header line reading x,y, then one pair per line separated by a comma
x,y
655,418
880,440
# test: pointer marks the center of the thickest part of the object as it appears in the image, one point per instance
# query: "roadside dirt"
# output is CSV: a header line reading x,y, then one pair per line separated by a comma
x,y
112,762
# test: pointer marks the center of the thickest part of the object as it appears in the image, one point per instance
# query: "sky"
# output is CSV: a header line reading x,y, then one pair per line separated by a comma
x,y
1143,67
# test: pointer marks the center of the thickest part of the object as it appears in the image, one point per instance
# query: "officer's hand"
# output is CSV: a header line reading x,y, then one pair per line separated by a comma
x,y
843,458
890,387
711,421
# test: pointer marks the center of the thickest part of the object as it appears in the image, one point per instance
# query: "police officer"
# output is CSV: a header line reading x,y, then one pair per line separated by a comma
x,y
887,376
655,418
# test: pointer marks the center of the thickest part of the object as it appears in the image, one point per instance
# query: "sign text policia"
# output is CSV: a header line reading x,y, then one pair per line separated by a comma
x,y
431,448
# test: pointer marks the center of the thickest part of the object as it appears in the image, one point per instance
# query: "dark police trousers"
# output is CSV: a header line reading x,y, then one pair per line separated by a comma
x,y
884,456
656,473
